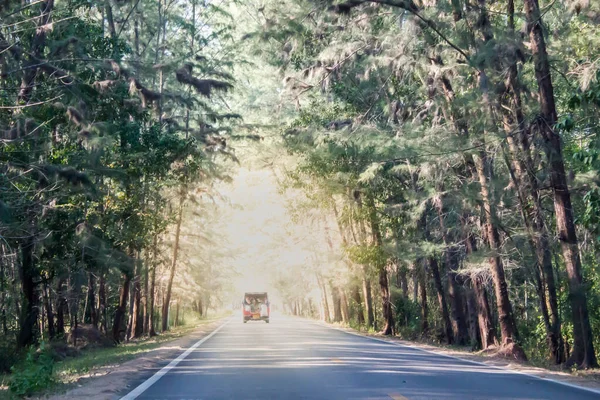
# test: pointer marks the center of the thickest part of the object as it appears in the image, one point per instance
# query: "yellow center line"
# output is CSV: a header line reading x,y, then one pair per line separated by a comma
x,y
397,396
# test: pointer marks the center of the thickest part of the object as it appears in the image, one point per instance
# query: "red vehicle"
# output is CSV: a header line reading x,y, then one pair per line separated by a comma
x,y
256,307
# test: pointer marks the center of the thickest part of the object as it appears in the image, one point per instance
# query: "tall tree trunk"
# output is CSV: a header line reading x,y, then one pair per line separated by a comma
x,y
474,332
384,287
145,315
49,312
455,293
525,181
152,300
74,300
583,353
344,306
415,283
37,48
360,313
538,241
508,328
91,301
165,311
29,309
324,301
136,312
136,322
130,317
437,281
337,304
109,18
201,307
102,317
3,279
61,306
486,326
28,273
424,307
403,281
368,301
388,314
119,328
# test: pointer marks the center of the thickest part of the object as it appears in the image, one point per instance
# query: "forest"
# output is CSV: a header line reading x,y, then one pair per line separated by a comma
x,y
444,154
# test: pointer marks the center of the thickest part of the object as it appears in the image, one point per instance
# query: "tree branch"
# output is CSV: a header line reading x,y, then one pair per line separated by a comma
x,y
407,5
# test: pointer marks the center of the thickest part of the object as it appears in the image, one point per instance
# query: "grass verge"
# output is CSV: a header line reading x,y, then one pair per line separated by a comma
x,y
89,362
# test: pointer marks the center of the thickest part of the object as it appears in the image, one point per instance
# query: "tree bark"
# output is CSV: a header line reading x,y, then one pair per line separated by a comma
x,y
455,293
344,306
129,314
474,331
145,315
136,322
37,48
49,312
384,287
91,301
505,314
102,317
525,181
360,313
337,304
486,326
583,353
118,328
28,334
437,281
424,307
109,18
3,279
368,302
403,281
152,300
61,306
136,312
324,301
415,283
165,311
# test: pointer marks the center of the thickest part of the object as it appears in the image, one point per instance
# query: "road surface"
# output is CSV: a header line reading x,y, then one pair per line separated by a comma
x,y
294,359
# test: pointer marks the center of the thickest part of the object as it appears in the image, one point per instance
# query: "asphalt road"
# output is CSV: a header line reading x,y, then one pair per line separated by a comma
x,y
293,359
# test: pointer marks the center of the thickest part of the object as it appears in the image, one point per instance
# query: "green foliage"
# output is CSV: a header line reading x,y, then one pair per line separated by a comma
x,y
101,136
407,315
34,374
10,353
367,255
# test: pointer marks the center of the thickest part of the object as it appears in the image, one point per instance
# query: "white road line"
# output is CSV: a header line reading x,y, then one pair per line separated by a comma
x,y
152,380
571,385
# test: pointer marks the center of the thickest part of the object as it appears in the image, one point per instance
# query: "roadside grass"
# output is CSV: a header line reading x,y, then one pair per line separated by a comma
x,y
537,359
68,371
72,369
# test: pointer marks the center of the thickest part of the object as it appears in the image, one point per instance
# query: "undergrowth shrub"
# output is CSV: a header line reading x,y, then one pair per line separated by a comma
x,y
9,354
35,373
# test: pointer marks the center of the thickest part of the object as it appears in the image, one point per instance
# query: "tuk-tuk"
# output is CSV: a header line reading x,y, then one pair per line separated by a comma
x,y
256,307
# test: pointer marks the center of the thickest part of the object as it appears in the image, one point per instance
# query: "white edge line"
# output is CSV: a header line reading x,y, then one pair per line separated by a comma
x,y
159,374
587,389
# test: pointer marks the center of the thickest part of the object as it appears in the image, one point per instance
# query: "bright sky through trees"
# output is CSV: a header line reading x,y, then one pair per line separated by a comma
x,y
263,237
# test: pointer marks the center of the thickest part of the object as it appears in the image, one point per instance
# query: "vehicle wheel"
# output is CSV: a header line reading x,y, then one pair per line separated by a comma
x,y
267,321
245,321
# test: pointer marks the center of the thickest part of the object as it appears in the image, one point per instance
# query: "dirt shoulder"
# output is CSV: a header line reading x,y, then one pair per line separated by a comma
x,y
103,382
585,379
